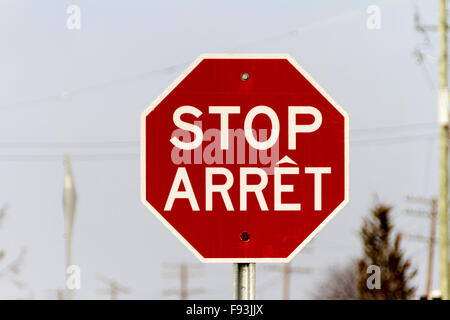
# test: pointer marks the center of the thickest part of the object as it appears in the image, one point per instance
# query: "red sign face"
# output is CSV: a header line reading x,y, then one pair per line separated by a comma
x,y
244,158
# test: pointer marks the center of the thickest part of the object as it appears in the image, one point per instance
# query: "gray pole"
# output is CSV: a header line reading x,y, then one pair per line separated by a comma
x,y
244,280
69,204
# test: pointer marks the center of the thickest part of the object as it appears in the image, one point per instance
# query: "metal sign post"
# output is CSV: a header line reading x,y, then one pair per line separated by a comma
x,y
244,280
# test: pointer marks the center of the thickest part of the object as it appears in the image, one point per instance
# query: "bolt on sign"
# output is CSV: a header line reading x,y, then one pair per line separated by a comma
x,y
244,158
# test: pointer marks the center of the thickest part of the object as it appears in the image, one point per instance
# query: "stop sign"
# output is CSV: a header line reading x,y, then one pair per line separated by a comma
x,y
244,158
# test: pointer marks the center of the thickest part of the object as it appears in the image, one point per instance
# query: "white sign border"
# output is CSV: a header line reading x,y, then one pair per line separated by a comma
x,y
166,93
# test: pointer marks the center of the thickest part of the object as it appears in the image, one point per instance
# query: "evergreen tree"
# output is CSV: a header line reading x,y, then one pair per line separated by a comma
x,y
382,249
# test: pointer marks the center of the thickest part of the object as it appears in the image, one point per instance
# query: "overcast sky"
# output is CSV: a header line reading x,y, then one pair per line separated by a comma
x,y
82,92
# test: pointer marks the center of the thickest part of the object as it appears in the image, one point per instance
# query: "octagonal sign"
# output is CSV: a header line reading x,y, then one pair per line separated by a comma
x,y
244,158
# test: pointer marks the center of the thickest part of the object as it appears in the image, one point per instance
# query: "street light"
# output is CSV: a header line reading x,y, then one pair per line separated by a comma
x,y
69,204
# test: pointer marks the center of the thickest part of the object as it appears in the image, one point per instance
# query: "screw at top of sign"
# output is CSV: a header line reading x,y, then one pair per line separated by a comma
x,y
245,76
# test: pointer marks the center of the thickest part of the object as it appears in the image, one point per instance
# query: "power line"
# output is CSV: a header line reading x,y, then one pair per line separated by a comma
x,y
388,140
77,157
135,155
175,67
71,93
315,25
135,143
70,144
396,127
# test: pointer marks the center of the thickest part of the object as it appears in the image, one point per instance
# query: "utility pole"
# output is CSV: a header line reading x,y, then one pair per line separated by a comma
x,y
287,269
182,274
443,114
114,288
57,294
443,146
69,204
431,240
183,281
431,247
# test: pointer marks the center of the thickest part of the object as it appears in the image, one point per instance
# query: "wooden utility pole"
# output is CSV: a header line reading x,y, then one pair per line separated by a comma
x,y
183,281
114,288
443,116
287,270
286,280
183,292
431,247
431,240
443,146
